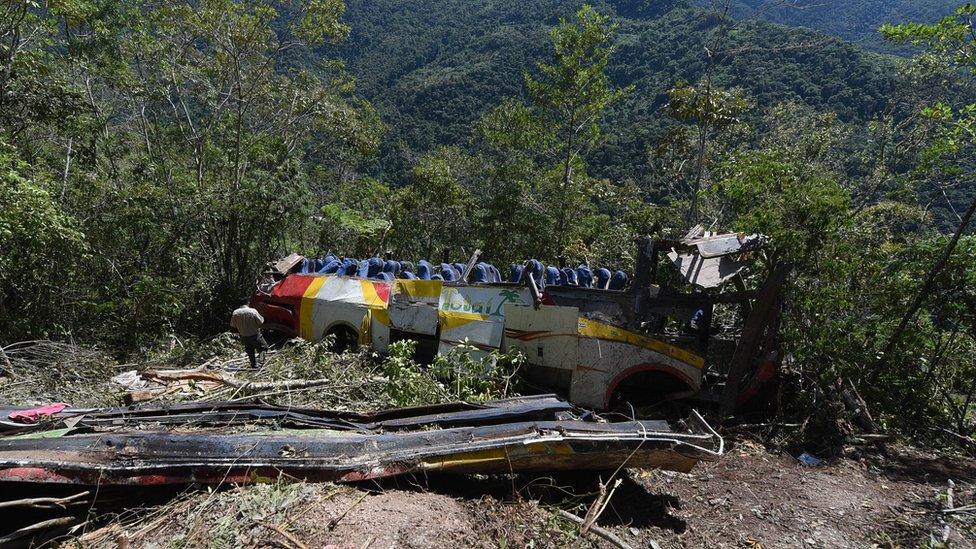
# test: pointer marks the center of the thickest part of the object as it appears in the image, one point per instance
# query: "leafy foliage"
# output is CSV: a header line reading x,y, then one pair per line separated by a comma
x,y
854,271
571,96
177,142
712,111
473,375
463,374
437,208
40,244
434,76
410,384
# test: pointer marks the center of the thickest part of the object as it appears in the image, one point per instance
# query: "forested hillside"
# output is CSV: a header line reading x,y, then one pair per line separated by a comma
x,y
432,68
856,22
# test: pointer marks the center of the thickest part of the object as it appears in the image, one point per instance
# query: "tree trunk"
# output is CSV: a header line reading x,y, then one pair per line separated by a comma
x,y
922,294
696,186
563,189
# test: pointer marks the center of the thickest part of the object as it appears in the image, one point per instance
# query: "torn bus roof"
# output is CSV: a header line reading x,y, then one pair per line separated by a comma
x,y
132,447
709,260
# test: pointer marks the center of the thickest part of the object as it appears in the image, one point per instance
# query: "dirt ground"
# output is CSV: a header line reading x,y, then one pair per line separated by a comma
x,y
753,498
750,498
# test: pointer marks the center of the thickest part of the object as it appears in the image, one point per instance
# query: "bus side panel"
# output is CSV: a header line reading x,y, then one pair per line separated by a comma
x,y
547,336
332,300
476,315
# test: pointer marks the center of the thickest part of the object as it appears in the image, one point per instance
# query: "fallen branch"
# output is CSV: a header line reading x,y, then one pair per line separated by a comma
x,y
605,534
34,528
967,441
283,533
145,395
191,375
44,502
335,522
971,508
747,426
285,385
857,407
293,390
599,505
195,375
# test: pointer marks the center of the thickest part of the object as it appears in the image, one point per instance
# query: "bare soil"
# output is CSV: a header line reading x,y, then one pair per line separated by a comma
x,y
754,498
750,498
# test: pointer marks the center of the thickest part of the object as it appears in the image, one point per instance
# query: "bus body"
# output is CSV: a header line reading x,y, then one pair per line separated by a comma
x,y
599,347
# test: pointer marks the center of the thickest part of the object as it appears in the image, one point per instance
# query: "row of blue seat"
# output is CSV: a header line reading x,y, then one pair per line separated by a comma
x,y
482,273
581,276
380,269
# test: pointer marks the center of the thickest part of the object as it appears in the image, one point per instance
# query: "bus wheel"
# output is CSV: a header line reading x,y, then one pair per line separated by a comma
x,y
651,395
344,338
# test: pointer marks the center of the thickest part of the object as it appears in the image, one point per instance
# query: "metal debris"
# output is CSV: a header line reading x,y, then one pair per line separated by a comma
x,y
241,443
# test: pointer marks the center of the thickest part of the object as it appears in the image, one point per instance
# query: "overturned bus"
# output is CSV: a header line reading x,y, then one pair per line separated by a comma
x,y
693,333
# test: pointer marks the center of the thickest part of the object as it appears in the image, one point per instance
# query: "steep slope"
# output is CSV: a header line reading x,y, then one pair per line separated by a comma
x,y
432,67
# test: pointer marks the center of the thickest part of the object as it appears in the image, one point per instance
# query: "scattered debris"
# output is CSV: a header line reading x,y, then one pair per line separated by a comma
x,y
33,415
810,460
708,260
131,380
35,528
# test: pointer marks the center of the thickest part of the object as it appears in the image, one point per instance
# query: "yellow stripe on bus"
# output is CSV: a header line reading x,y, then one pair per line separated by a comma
x,y
305,328
370,298
599,330
450,321
418,290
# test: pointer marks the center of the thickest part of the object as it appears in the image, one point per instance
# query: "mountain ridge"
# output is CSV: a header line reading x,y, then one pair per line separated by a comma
x,y
432,68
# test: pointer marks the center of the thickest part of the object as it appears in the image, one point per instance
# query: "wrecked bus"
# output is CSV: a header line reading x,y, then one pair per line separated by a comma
x,y
661,337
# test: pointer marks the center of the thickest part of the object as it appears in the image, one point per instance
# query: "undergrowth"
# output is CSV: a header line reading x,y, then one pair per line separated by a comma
x,y
360,379
465,373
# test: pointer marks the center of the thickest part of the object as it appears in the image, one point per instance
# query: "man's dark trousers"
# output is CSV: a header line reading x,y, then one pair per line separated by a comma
x,y
254,343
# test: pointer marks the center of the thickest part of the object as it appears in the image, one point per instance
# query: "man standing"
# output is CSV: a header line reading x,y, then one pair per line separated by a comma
x,y
248,321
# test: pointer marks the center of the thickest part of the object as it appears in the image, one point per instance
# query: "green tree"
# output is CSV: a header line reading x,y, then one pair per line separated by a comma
x,y
356,223
571,95
953,41
42,249
515,217
432,218
711,110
